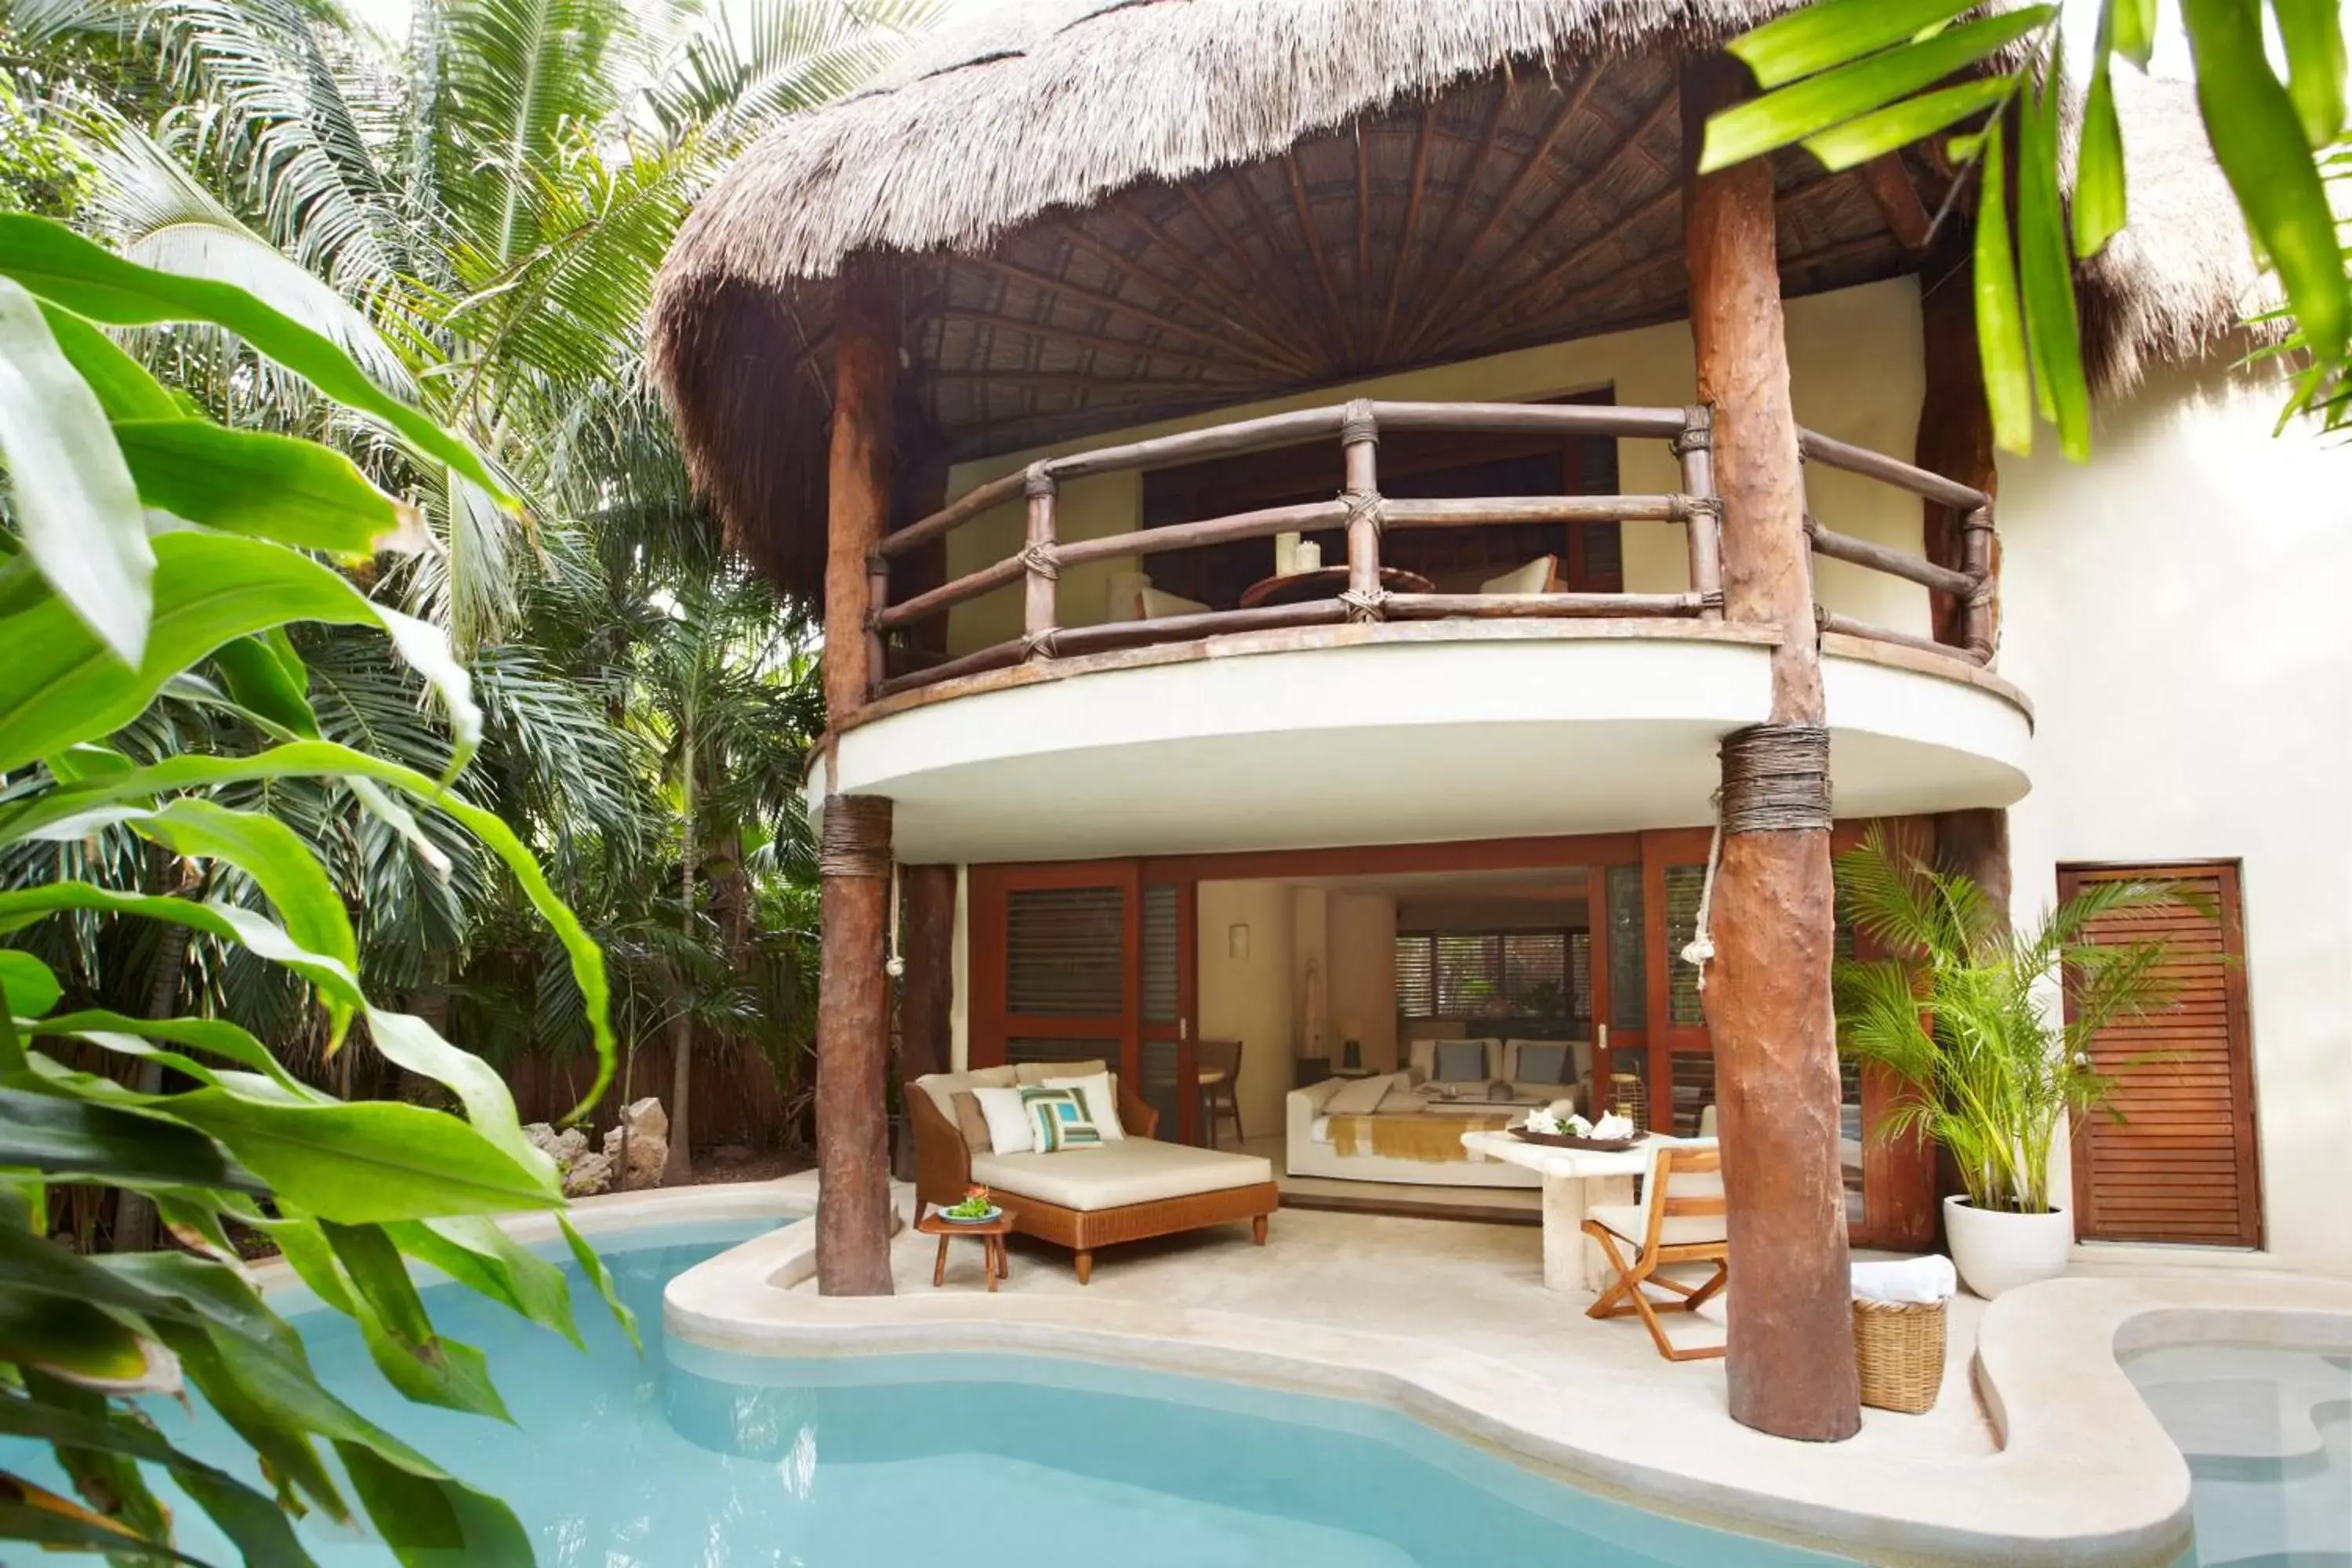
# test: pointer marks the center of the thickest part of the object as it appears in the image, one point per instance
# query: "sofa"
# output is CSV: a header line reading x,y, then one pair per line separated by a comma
x,y
1127,1188
1445,1087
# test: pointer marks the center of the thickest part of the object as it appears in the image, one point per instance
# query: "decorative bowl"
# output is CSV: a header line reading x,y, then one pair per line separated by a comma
x,y
1568,1140
995,1211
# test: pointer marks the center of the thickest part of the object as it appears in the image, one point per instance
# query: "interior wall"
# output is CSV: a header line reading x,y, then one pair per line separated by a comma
x,y
1855,372
1310,960
1362,940
2171,609
1248,997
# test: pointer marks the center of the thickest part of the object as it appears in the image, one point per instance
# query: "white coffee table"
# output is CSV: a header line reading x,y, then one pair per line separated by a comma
x,y
1575,1181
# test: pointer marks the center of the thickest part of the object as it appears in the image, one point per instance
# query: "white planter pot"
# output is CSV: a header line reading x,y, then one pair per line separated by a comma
x,y
1996,1252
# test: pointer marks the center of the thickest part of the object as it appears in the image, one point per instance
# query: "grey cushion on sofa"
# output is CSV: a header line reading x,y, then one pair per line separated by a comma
x,y
1460,1061
1545,1062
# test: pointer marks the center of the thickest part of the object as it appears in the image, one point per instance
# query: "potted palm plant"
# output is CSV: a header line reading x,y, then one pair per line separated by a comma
x,y
1987,1029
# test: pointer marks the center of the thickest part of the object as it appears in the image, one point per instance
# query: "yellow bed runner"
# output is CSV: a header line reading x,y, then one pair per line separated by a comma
x,y
1411,1137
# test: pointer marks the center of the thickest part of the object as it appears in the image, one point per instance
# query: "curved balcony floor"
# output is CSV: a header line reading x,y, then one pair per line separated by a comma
x,y
1405,733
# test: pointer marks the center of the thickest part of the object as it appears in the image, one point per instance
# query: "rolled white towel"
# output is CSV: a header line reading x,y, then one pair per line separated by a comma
x,y
1907,1279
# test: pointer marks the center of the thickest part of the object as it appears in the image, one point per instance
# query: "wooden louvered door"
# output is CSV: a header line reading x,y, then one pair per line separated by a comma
x,y
1056,963
2182,1166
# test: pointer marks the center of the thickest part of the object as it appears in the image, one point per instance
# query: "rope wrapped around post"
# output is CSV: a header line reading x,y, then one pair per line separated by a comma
x,y
856,841
1364,506
1365,606
1776,779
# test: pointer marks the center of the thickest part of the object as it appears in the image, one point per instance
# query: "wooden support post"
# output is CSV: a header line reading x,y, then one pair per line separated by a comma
x,y
1790,1365
1360,440
857,475
927,897
1041,572
1695,447
853,1049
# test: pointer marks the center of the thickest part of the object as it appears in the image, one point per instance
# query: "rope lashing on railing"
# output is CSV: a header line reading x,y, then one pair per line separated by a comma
x,y
1358,423
1698,436
1365,605
1776,779
1040,559
1041,645
856,837
1364,504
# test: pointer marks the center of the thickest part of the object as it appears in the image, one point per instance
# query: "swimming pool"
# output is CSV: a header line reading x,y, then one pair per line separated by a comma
x,y
692,1459
2267,1432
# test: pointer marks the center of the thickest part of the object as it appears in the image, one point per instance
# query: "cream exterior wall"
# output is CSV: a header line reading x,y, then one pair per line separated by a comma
x,y
2172,609
1362,938
1854,361
1249,999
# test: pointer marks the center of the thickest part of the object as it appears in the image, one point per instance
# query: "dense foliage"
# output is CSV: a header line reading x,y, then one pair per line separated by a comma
x,y
1856,80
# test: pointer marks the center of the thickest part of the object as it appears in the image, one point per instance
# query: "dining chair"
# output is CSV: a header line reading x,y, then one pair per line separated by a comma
x,y
1219,1074
1680,1219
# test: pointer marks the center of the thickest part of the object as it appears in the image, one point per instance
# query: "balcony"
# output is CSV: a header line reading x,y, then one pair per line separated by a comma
x,y
1371,708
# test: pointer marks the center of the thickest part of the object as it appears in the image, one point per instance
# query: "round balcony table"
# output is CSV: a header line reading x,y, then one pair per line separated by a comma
x,y
990,1234
1324,583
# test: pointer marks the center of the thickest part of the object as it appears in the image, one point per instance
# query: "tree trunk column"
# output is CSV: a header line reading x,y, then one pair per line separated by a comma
x,y
853,1049
1790,1357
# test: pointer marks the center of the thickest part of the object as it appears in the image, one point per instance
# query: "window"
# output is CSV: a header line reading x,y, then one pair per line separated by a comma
x,y
1495,975
1063,951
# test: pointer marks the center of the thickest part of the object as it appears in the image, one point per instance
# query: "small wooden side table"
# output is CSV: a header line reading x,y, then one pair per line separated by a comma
x,y
991,1233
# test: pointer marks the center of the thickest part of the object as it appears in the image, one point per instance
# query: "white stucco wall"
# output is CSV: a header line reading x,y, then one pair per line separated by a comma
x,y
2174,610
1854,363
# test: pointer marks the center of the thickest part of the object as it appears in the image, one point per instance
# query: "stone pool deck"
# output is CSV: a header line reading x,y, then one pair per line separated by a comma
x,y
2038,1451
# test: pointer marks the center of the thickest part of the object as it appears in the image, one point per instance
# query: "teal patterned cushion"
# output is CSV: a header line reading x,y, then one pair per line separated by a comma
x,y
1058,1117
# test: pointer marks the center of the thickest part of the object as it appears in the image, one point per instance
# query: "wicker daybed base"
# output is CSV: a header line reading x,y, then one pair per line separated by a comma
x,y
943,1170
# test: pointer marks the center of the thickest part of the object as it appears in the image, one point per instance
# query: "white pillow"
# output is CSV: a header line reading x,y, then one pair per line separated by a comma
x,y
1151,603
1535,577
1102,1102
1009,1132
1361,1097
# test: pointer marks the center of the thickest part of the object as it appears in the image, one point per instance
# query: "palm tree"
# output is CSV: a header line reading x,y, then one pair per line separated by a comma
x,y
1962,1016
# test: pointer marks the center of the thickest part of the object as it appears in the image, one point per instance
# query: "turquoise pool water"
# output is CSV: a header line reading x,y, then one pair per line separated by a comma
x,y
2268,1435
688,1458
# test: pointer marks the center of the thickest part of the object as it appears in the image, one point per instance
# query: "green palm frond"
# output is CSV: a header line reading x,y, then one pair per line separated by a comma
x,y
738,65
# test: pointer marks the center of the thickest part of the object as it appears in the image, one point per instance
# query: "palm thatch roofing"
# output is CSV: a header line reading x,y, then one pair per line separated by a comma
x,y
1111,211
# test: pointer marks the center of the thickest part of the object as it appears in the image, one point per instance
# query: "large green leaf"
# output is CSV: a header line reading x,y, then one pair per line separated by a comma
x,y
217,1036
431,1522
2046,271
478,1254
2132,28
2312,33
249,1519
2101,205
30,985
1831,32
57,265
1864,87
425,1366
122,385
1860,139
63,685
367,1163
410,1042
68,1138
76,505
602,1278
269,486
2259,139
2001,325
265,675
319,759
257,932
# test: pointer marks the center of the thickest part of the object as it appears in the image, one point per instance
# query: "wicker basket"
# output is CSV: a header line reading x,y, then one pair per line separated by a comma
x,y
1899,1347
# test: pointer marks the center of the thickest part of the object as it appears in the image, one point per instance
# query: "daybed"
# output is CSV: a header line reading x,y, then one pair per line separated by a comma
x,y
1407,1126
1130,1187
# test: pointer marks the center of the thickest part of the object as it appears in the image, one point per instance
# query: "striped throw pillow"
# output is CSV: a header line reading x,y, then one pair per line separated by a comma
x,y
1058,1117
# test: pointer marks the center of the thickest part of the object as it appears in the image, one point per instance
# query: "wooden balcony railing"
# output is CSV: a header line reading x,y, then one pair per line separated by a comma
x,y
1366,515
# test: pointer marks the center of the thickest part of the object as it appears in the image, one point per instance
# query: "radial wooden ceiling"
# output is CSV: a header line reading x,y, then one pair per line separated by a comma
x,y
1515,210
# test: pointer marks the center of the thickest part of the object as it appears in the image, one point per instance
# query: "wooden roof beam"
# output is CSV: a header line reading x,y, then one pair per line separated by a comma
x,y
1223,347
1889,184
1250,266
1415,190
1314,233
1282,255
1272,348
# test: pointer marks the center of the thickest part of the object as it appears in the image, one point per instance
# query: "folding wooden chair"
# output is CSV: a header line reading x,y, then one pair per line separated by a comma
x,y
1680,1219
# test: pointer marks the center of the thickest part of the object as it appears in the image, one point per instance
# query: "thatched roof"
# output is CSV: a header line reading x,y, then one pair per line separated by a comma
x,y
1118,210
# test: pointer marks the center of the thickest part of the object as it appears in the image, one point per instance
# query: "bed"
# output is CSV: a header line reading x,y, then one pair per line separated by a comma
x,y
1407,1126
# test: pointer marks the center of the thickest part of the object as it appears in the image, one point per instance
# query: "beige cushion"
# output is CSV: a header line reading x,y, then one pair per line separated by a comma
x,y
1631,1221
1119,597
943,1086
1535,577
1113,1176
1032,1074
1361,1097
1151,603
970,1123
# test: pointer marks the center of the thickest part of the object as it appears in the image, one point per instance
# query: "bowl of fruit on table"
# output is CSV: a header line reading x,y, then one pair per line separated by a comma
x,y
977,1208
